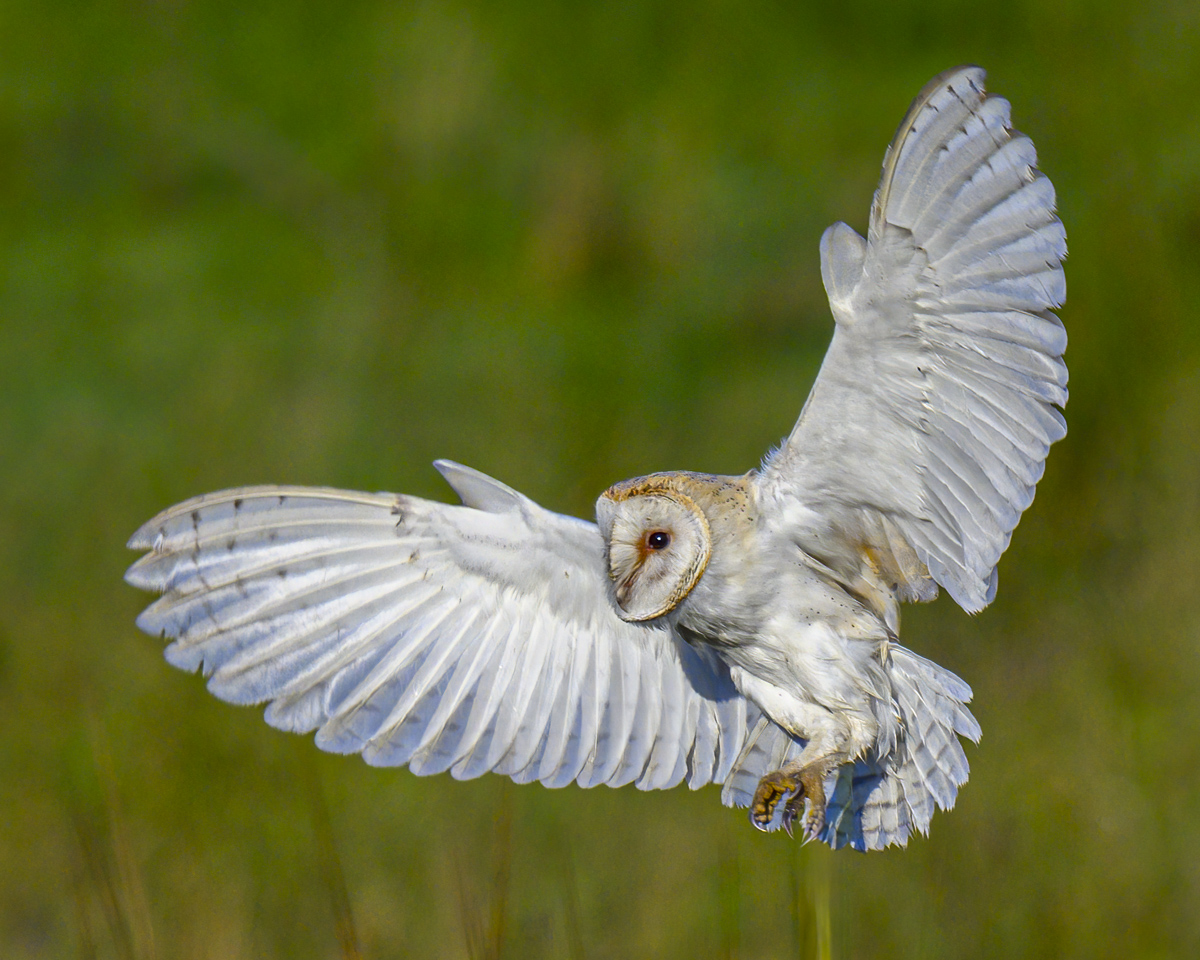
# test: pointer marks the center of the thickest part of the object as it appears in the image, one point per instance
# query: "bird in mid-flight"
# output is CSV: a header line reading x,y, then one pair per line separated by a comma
x,y
708,629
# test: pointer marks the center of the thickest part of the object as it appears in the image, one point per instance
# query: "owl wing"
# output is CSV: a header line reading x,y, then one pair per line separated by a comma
x,y
462,638
936,403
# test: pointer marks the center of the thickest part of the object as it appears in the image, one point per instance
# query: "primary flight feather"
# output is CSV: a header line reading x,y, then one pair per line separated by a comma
x,y
733,630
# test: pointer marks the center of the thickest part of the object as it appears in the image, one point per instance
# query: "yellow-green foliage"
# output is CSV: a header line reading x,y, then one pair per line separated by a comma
x,y
565,243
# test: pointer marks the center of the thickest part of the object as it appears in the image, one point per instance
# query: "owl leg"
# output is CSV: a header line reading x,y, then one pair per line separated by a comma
x,y
829,737
798,782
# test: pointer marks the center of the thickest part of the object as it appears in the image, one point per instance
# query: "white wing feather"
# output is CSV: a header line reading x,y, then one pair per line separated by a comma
x,y
467,639
936,403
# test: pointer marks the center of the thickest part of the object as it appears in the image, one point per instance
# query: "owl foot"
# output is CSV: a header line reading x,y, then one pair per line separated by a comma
x,y
812,790
771,789
803,787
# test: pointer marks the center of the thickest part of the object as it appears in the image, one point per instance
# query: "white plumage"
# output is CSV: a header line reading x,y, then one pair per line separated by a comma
x,y
737,630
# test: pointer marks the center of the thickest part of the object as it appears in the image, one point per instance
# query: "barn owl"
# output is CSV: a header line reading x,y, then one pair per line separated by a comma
x,y
707,629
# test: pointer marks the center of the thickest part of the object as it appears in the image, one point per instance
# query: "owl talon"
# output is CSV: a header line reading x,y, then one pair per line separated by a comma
x,y
813,821
804,791
793,809
771,789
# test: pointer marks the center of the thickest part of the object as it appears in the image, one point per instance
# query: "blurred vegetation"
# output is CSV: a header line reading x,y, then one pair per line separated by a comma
x,y
566,244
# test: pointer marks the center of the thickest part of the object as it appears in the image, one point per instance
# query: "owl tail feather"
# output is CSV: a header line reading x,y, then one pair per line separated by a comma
x,y
879,801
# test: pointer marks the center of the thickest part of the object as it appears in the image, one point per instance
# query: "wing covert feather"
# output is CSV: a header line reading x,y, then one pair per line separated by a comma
x,y
938,399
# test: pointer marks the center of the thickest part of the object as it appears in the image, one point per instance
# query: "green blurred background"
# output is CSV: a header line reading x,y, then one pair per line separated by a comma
x,y
247,242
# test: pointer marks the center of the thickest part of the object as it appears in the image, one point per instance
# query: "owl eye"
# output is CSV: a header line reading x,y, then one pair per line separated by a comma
x,y
658,540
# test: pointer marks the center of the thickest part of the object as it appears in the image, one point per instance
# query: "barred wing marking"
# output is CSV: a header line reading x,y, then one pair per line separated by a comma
x,y
467,638
936,403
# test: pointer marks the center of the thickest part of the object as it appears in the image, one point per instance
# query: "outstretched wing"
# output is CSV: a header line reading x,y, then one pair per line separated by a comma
x,y
462,638
936,403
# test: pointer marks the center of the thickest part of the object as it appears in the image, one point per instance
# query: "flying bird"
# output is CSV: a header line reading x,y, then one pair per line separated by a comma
x,y
708,629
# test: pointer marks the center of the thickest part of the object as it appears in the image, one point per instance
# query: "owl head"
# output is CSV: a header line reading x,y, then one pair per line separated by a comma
x,y
659,543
